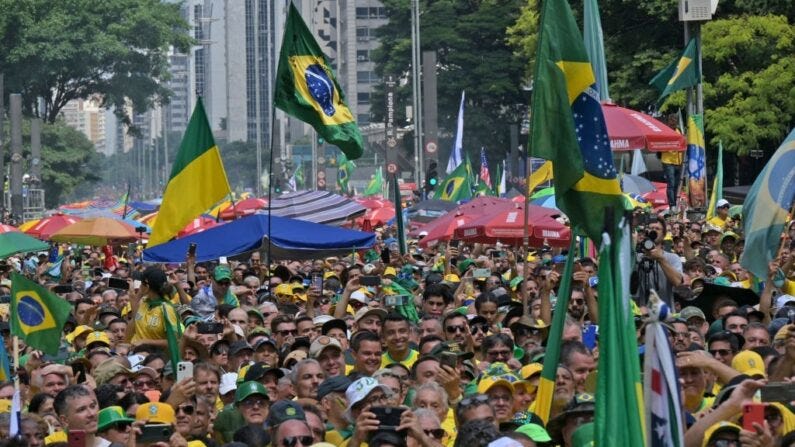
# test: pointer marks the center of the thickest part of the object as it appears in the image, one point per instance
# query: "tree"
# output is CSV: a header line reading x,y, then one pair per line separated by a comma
x,y
472,54
240,163
72,49
68,160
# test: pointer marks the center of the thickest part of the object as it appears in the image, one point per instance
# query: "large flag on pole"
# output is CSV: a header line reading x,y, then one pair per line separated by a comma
x,y
455,156
484,168
568,126
717,184
456,186
697,163
680,74
618,420
37,315
307,89
546,385
661,382
198,180
766,207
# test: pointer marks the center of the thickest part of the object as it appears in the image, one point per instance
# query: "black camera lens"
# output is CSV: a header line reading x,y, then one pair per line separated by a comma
x,y
648,244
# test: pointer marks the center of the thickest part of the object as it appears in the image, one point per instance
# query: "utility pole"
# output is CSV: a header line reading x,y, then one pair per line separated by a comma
x,y
15,101
2,149
416,89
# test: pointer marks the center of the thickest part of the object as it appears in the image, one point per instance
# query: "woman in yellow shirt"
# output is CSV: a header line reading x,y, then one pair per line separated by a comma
x,y
148,306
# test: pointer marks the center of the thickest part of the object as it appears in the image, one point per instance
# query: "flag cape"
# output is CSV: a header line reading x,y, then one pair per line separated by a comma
x,y
37,315
661,385
717,184
198,180
766,207
618,419
376,185
568,126
307,89
546,385
455,155
680,74
456,186
697,164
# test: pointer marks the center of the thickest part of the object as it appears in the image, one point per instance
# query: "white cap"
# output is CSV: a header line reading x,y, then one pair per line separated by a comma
x,y
360,389
359,296
322,319
505,442
228,383
136,362
721,202
782,300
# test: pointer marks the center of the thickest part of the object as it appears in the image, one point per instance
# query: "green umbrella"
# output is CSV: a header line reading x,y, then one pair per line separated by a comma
x,y
15,242
543,192
735,211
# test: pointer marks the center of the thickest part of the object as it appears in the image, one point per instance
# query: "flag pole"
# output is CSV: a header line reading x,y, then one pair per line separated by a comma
x,y
15,412
126,200
526,242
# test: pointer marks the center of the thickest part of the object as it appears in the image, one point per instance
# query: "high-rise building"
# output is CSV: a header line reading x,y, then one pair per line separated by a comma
x,y
86,116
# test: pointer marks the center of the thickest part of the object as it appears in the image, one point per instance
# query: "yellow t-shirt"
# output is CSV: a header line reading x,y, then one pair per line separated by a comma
x,y
149,324
408,362
718,222
672,157
59,436
448,424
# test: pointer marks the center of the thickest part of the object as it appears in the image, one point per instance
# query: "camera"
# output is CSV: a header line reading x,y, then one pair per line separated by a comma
x,y
649,243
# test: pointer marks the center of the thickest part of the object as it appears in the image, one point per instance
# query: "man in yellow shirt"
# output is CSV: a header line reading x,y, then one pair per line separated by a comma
x,y
721,218
672,168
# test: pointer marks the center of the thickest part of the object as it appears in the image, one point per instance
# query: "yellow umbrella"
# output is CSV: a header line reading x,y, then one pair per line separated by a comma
x,y
96,231
28,225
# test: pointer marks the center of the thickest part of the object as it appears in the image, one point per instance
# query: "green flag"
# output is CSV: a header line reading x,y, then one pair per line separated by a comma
x,y
717,183
376,185
568,127
456,186
619,415
679,74
37,315
307,89
344,172
300,181
483,190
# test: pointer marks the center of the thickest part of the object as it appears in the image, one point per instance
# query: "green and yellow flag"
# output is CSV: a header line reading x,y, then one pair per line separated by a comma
x,y
307,89
457,186
680,74
717,184
198,180
568,127
37,315
344,172
376,185
539,176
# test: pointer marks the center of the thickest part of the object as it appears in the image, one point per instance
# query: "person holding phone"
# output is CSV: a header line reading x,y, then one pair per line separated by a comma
x,y
150,308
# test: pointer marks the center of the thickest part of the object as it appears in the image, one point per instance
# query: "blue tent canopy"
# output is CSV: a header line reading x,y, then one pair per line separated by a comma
x,y
289,238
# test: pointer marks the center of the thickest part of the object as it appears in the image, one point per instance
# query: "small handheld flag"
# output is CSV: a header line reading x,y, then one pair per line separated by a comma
x,y
37,315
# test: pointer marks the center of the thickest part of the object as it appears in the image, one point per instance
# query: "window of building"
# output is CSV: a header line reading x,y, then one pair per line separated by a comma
x,y
363,98
362,55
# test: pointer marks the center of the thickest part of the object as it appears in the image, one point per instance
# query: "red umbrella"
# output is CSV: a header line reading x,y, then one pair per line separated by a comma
x,y
630,130
7,228
198,225
372,203
377,216
507,226
442,228
49,225
659,197
243,208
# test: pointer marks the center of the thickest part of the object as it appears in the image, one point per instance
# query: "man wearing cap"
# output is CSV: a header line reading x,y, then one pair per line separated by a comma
x,y
695,318
240,354
114,426
113,372
658,269
288,427
251,399
328,352
721,218
363,394
369,319
578,411
220,288
265,351
332,400
498,385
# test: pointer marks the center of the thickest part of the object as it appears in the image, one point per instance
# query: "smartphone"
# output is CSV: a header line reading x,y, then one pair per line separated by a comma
x,y
192,249
395,300
118,283
753,412
389,417
481,273
63,288
370,280
223,260
205,327
454,243
778,392
317,281
79,371
385,256
449,359
151,433
76,438
184,370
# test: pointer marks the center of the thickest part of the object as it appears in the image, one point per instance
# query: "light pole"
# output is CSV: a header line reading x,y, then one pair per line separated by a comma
x,y
416,89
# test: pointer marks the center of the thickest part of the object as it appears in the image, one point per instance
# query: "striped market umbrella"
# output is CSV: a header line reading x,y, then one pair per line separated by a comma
x,y
316,206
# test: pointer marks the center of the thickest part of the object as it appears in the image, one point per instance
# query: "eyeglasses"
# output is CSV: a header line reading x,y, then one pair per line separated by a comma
x,y
377,399
578,301
121,426
473,401
499,354
144,383
186,409
292,441
287,332
436,433
726,443
224,283
483,327
721,352
256,402
455,329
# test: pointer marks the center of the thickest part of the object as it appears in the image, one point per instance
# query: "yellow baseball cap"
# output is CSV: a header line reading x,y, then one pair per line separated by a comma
x,y
782,333
97,337
80,330
390,271
718,427
156,413
489,382
452,277
284,289
749,363
330,274
5,406
530,370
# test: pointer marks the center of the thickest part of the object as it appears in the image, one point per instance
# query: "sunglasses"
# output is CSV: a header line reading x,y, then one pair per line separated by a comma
x,y
455,329
187,409
436,433
721,352
122,426
224,283
286,332
292,441
251,403
479,327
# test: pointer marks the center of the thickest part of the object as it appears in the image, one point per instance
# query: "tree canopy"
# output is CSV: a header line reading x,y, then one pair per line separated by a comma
x,y
70,49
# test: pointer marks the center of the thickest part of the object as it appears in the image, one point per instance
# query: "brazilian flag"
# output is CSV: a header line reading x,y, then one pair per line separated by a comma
x,y
307,89
456,187
37,315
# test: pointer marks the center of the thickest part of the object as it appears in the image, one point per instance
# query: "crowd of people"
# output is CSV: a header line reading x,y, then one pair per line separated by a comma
x,y
431,348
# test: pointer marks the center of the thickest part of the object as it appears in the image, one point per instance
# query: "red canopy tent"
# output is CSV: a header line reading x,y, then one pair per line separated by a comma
x,y
441,228
507,226
198,225
629,130
244,207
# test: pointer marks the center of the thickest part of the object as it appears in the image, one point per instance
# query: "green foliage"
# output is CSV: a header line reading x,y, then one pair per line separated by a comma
x,y
70,49
68,161
523,35
472,54
240,161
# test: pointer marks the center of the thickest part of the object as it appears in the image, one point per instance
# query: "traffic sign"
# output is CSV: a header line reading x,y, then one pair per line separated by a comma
x,y
321,174
431,147
321,183
391,168
391,142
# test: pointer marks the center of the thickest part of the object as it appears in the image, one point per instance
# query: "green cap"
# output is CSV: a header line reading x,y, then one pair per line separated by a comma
x,y
535,432
222,272
583,435
110,416
463,265
248,389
